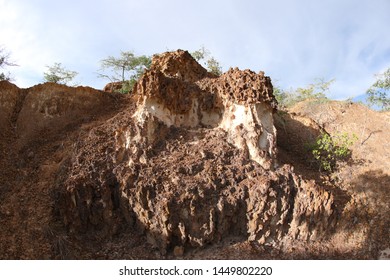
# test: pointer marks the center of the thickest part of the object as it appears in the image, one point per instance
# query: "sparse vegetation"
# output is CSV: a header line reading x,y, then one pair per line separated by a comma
x,y
4,62
280,95
127,69
59,74
204,57
330,151
378,93
315,92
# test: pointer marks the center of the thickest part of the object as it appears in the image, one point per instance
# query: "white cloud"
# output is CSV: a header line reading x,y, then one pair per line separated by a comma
x,y
293,41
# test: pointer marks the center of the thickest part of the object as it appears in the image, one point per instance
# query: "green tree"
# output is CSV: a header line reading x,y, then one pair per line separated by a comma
x,y
279,94
378,93
5,62
315,91
203,55
127,69
213,66
58,74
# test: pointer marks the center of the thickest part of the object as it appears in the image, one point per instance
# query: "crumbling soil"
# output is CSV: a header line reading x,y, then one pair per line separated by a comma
x,y
172,172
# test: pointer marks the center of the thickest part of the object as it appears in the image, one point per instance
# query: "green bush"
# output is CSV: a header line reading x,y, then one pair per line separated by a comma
x,y
329,151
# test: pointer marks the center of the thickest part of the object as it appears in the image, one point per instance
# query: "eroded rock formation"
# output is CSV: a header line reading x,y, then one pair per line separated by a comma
x,y
239,102
194,163
38,126
31,113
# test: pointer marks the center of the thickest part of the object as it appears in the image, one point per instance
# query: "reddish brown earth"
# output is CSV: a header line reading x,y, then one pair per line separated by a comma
x,y
189,166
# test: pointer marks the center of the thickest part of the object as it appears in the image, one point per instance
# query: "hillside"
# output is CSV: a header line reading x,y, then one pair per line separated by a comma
x,y
364,180
192,166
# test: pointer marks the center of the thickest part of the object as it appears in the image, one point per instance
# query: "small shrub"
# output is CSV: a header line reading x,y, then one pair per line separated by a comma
x,y
329,151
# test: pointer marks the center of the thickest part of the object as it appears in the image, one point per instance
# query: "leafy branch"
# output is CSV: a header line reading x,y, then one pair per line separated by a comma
x,y
330,151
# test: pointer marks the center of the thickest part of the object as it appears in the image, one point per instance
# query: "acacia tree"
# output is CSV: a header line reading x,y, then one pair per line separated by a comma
x,y
58,74
4,62
378,93
203,55
126,69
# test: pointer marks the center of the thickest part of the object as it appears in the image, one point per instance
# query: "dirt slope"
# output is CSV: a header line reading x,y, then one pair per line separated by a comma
x,y
38,126
191,166
364,229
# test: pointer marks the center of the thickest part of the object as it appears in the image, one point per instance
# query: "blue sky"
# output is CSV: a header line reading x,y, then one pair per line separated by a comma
x,y
294,41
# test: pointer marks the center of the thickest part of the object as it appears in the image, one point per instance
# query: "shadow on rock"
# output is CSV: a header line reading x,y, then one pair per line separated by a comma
x,y
295,134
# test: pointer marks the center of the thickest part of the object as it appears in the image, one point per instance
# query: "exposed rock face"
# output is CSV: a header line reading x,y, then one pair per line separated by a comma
x,y
194,164
248,105
9,97
178,91
180,65
36,126
57,106
31,112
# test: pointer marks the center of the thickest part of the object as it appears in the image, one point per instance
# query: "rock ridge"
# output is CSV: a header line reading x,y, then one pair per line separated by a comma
x,y
194,163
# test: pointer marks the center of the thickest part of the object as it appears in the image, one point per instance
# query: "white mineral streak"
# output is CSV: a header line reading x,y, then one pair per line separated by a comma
x,y
250,127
